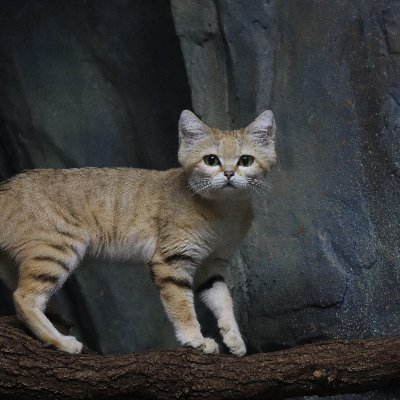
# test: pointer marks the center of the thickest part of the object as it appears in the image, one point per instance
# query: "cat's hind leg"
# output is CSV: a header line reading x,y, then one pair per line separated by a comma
x,y
40,277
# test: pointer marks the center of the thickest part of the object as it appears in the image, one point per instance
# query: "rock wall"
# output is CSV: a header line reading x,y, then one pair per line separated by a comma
x,y
103,83
324,252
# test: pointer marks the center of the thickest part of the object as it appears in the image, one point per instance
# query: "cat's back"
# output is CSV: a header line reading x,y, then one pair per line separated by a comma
x,y
55,180
92,198
78,189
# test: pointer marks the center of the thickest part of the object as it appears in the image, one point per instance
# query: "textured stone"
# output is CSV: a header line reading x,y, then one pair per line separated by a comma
x,y
229,52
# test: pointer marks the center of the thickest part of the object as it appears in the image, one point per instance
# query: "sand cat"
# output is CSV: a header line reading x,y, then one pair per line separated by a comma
x,y
184,223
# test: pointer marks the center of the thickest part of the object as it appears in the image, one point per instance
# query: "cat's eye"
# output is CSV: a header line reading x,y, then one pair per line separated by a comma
x,y
245,161
212,160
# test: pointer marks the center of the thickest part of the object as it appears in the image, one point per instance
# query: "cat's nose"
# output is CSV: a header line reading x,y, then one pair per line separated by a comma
x,y
229,174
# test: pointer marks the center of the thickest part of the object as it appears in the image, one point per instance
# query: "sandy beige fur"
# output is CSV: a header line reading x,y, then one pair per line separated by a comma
x,y
184,223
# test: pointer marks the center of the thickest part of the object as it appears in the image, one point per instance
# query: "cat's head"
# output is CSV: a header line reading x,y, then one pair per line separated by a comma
x,y
226,164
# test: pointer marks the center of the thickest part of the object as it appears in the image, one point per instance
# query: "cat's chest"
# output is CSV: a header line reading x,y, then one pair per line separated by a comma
x,y
228,234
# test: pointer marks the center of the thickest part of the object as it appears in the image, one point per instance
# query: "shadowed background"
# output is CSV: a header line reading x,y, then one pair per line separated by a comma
x,y
99,83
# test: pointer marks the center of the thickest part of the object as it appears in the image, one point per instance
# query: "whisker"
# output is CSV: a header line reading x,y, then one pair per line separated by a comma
x,y
258,186
202,186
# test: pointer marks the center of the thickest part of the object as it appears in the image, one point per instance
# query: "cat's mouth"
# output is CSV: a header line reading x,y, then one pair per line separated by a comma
x,y
229,186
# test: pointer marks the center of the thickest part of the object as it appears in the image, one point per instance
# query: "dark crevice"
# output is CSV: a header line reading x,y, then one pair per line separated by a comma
x,y
233,110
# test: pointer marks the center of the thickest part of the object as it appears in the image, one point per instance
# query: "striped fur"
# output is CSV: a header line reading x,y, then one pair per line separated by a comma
x,y
178,221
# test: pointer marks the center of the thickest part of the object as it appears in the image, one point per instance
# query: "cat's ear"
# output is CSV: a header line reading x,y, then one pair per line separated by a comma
x,y
263,129
191,129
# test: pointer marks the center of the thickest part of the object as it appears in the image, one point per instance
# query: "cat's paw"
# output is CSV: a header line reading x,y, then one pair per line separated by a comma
x,y
206,345
235,343
210,346
231,337
69,344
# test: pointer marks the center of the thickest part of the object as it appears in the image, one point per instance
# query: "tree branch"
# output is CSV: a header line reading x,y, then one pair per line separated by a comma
x,y
29,370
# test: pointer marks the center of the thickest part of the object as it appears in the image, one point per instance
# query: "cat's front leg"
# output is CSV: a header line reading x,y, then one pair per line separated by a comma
x,y
173,276
215,294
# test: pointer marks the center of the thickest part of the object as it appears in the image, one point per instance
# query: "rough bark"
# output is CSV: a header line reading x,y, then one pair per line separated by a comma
x,y
29,370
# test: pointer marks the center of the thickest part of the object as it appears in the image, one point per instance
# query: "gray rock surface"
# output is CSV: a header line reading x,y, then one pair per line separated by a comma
x,y
103,83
